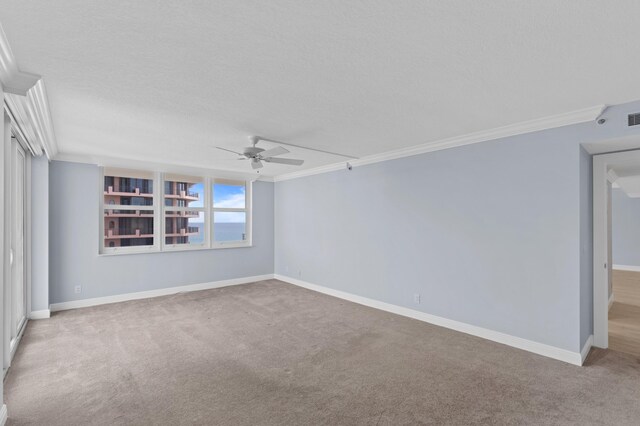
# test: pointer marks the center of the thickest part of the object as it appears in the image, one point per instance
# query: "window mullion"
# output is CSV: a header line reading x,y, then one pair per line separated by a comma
x,y
208,219
157,210
212,239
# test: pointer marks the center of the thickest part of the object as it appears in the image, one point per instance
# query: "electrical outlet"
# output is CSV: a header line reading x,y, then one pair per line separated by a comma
x,y
416,298
77,289
299,272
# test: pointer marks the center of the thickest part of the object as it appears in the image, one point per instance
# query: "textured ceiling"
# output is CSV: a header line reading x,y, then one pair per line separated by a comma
x,y
166,81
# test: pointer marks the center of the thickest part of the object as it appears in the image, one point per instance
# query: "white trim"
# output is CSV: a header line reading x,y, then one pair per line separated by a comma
x,y
584,353
632,268
42,314
176,168
28,235
559,120
506,339
32,120
316,170
38,105
26,98
602,164
13,80
600,253
22,126
74,304
16,341
3,415
5,239
611,300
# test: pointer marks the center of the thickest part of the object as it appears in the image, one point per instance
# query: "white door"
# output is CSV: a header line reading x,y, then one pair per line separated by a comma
x,y
18,282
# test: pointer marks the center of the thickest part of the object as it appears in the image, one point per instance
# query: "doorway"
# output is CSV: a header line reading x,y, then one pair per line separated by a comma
x,y
624,299
616,320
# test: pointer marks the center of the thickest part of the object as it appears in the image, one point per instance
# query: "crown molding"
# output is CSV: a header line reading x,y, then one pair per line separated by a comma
x,y
22,129
315,171
551,122
26,100
38,104
184,169
13,80
32,120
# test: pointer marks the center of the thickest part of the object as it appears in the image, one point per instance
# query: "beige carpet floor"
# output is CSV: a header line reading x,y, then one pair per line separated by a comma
x,y
270,353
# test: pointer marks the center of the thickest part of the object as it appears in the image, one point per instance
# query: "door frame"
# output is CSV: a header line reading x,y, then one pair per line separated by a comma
x,y
603,177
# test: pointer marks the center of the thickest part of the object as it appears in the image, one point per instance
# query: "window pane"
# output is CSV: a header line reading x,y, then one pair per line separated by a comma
x,y
229,226
127,190
229,195
184,228
183,191
123,228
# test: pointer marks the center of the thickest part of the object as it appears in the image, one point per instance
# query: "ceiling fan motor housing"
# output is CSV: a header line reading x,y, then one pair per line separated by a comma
x,y
252,151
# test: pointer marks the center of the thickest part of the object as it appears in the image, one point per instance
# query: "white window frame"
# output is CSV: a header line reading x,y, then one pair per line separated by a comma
x,y
159,212
248,197
156,217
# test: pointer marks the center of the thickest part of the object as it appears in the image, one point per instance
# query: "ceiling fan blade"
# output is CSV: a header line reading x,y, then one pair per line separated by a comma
x,y
256,164
274,152
289,161
228,150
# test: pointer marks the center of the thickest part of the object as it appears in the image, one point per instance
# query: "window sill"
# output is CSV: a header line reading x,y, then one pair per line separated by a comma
x,y
174,249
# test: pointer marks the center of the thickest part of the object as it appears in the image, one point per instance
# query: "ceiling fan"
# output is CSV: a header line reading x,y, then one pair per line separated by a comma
x,y
258,155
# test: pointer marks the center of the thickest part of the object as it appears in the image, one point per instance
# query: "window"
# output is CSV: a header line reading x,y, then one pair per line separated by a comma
x,y
189,212
229,212
129,213
184,211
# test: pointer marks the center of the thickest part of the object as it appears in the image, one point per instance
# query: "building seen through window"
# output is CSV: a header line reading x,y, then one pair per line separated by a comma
x,y
133,226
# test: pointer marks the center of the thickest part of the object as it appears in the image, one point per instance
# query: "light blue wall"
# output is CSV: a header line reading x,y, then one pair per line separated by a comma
x,y
488,234
497,234
625,224
39,233
74,259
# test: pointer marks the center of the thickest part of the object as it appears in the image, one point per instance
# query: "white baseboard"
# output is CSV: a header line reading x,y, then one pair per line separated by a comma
x,y
506,339
43,314
574,358
84,303
632,268
587,347
3,415
611,300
